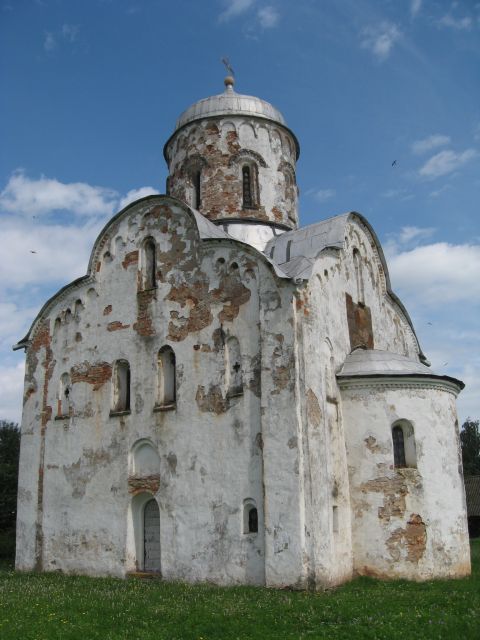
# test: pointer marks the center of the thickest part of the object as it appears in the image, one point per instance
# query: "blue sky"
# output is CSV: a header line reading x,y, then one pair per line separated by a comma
x,y
90,91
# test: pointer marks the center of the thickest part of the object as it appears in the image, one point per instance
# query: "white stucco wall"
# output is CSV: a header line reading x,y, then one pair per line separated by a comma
x,y
406,522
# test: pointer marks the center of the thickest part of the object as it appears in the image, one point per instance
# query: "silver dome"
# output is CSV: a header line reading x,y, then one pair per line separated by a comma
x,y
230,103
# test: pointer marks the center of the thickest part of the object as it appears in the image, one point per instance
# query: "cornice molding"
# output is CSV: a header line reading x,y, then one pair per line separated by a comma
x,y
394,382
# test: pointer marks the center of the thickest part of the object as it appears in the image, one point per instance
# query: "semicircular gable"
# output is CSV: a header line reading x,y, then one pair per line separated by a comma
x,y
100,247
385,277
107,242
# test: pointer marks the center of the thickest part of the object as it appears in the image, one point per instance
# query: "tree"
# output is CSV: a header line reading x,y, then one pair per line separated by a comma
x,y
470,440
9,456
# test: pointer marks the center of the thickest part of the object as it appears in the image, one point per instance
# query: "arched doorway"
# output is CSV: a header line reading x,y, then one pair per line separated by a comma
x,y
151,537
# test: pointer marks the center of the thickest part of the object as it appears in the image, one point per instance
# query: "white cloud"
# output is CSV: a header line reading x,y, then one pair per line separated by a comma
x,y
49,42
381,39
476,132
136,194
458,24
14,321
321,195
432,142
11,384
415,7
268,17
407,234
438,273
438,192
25,196
440,286
234,8
36,252
61,251
445,162
70,32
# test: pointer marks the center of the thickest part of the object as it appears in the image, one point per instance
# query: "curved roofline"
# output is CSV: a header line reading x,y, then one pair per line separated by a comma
x,y
90,277
388,285
226,116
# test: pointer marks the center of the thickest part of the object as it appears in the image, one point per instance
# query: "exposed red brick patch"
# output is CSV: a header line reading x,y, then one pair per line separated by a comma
x,y
394,491
130,258
212,400
107,310
95,374
116,325
371,444
282,366
98,266
359,320
413,539
40,340
314,413
138,484
144,325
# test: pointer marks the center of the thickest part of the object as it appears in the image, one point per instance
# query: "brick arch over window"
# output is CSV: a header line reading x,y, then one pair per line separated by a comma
x,y
246,155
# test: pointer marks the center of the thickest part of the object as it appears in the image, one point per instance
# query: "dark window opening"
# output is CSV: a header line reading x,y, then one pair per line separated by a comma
x,y
289,246
150,265
398,447
253,520
197,190
247,187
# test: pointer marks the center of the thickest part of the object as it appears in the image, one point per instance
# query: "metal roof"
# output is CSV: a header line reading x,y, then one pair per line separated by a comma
x,y
374,363
306,243
364,362
230,103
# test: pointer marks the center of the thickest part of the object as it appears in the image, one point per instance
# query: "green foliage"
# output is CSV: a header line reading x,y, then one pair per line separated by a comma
x,y
44,606
9,455
470,439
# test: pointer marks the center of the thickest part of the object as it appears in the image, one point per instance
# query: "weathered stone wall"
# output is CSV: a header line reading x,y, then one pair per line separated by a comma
x,y
406,522
341,281
219,147
76,489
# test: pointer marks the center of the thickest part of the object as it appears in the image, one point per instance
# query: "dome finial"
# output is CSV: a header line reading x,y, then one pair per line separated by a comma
x,y
230,78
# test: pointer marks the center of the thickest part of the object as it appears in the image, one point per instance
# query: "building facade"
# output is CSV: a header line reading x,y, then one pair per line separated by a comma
x,y
228,397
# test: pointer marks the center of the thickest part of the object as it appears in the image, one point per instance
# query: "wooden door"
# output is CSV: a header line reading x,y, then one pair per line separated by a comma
x,y
151,537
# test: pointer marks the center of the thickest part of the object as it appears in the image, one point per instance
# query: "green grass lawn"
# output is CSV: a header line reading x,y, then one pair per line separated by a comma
x,y
36,606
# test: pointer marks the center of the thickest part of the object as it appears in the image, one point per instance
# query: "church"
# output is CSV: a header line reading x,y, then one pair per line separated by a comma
x,y
228,397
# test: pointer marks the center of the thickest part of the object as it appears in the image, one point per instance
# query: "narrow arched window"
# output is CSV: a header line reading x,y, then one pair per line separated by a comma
x,y
166,377
233,367
357,261
121,387
404,448
398,447
248,187
63,400
253,520
150,255
197,193
250,516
